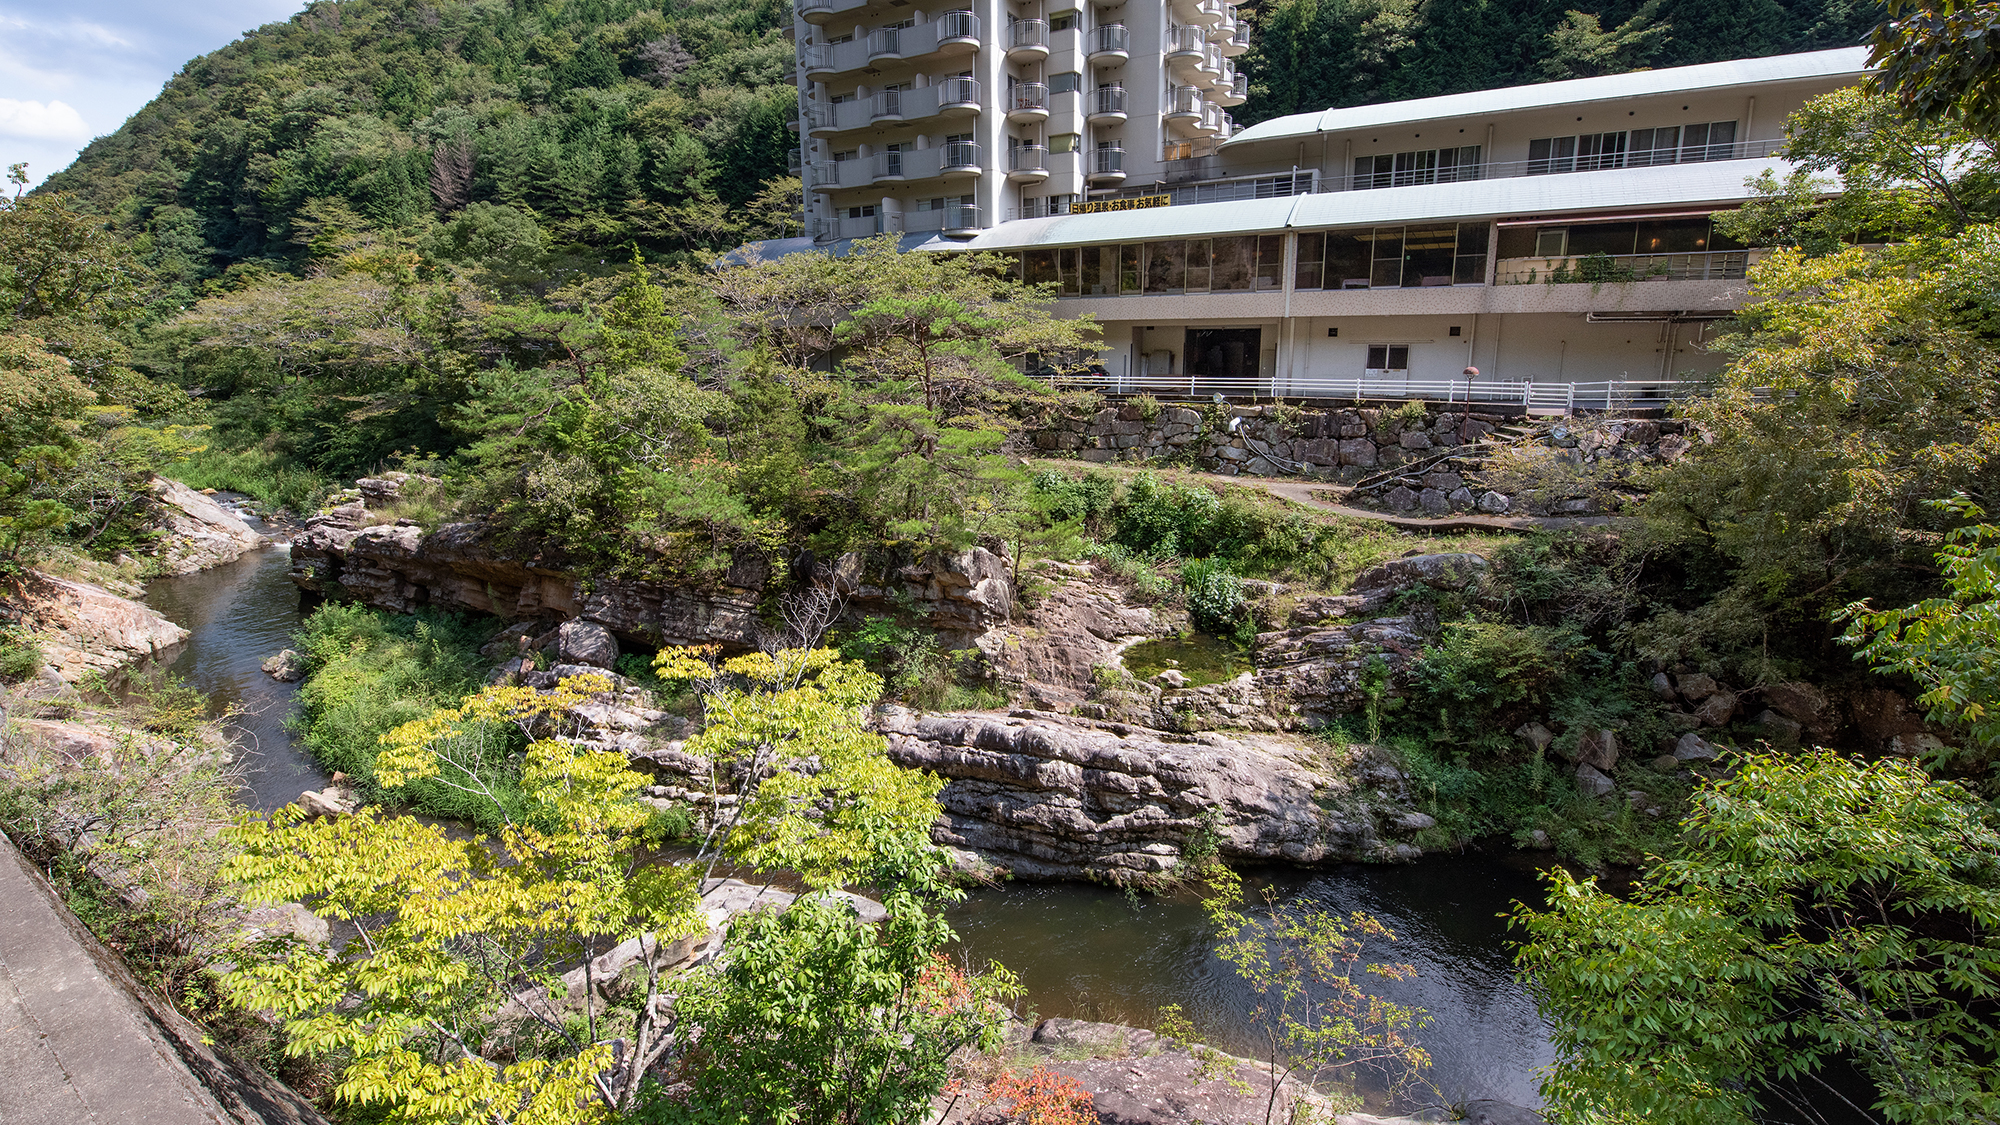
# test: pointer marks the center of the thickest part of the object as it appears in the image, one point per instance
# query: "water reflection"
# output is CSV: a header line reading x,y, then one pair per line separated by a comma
x,y
238,614
1093,953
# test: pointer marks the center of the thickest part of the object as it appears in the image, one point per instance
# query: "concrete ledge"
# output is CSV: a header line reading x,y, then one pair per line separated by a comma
x,y
82,1041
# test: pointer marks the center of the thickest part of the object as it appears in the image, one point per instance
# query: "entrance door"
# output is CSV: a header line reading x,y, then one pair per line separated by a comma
x,y
1223,360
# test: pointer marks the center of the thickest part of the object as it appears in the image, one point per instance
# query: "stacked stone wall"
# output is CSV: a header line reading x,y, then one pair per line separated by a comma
x,y
1262,440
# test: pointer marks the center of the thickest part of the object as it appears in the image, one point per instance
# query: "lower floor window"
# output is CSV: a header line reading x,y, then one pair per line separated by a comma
x,y
1388,358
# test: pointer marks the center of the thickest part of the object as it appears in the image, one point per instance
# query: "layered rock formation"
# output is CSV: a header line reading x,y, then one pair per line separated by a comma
x,y
84,628
198,532
1050,796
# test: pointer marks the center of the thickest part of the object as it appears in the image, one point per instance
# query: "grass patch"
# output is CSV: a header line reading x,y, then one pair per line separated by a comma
x,y
257,472
369,672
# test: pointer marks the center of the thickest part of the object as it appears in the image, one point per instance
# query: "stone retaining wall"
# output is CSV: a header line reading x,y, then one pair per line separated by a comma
x,y
1261,440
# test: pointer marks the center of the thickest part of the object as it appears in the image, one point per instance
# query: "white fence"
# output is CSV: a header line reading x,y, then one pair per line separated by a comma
x,y
1533,398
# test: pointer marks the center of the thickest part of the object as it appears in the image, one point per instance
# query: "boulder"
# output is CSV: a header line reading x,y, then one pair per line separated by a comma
x,y
1777,728
1697,686
1433,501
1493,503
1663,688
198,533
1597,749
1805,705
333,801
588,643
1399,499
1693,748
1536,735
1591,783
1359,452
285,667
1451,570
1717,709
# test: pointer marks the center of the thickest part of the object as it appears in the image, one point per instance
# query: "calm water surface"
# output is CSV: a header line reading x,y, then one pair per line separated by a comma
x,y
1080,950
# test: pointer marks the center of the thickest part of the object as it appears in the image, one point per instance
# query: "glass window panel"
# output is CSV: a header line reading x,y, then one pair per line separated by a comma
x,y
1673,236
1378,357
1388,271
1166,266
1128,268
1041,267
1427,254
1270,262
1399,357
1234,262
1312,252
1066,261
1721,140
1551,242
1347,260
1095,273
1601,238
1694,142
1469,269
1197,265
1517,242
1472,237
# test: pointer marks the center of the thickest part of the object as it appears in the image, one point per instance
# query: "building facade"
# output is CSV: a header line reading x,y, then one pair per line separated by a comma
x,y
1554,234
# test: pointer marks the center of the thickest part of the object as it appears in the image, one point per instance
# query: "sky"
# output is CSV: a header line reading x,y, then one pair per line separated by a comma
x,y
74,70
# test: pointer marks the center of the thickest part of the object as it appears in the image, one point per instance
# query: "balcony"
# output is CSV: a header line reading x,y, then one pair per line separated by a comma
x,y
1208,13
958,158
1601,269
886,106
1105,105
824,11
1028,104
889,167
1028,164
821,117
1211,64
1107,164
794,163
1184,105
1110,44
952,33
957,97
1237,93
962,218
1239,41
1184,45
1028,40
1212,120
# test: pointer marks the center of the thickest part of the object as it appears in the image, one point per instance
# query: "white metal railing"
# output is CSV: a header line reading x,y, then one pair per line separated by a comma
x,y
886,43
1186,102
961,216
889,165
1106,101
1110,39
1107,160
960,154
1028,35
809,7
1029,97
1185,41
1533,397
888,103
958,91
1599,269
1027,158
959,24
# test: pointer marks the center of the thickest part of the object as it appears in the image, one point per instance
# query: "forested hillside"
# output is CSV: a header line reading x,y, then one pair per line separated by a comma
x,y
486,124
1311,54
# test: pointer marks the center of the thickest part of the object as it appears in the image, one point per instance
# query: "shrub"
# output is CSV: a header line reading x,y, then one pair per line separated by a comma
x,y
1085,498
20,655
1214,596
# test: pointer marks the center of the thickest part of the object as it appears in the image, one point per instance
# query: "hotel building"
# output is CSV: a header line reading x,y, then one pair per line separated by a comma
x,y
1549,235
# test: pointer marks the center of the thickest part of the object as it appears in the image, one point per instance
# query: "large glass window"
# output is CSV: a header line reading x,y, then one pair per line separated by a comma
x,y
1270,262
1387,272
1235,266
1393,257
1166,267
1469,264
1197,265
1128,268
1072,282
1636,148
1312,261
1099,272
1041,267
1422,166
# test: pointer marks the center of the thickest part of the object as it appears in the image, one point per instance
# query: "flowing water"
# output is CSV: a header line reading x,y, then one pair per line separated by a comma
x,y
1080,950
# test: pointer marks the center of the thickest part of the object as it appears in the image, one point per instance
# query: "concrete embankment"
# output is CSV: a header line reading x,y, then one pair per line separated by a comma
x,y
82,1043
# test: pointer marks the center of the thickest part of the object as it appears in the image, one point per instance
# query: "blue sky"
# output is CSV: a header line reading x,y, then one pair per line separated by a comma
x,y
71,70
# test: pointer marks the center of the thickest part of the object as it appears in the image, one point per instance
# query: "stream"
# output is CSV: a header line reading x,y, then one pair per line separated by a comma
x,y
1080,950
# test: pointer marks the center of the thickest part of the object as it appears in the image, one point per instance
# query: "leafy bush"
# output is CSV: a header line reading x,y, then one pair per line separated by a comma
x,y
1483,679
1163,519
1214,596
20,654
259,472
369,672
1084,498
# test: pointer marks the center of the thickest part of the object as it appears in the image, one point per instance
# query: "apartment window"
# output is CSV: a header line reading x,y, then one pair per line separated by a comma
x,y
1422,166
933,204
1551,242
1393,257
1064,142
849,154
842,99
865,211
1687,235
1067,82
843,37
1062,22
1388,359
1635,148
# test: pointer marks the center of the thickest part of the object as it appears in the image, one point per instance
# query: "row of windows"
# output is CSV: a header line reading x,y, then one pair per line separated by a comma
x,y
1239,264
1400,257
1632,148
1424,166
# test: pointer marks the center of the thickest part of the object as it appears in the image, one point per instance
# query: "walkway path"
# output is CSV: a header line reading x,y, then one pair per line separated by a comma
x,y
79,1046
1309,492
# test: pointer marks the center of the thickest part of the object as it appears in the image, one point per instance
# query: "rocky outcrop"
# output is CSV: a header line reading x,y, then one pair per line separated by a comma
x,y
1050,796
355,552
84,628
198,532
1052,649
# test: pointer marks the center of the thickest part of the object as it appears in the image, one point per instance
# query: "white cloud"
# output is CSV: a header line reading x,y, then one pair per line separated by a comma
x,y
54,121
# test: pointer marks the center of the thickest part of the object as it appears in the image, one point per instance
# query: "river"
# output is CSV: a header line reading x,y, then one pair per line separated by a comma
x,y
1080,950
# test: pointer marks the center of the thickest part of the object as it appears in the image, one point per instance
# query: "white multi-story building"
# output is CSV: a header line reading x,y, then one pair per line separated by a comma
x,y
953,117
1558,233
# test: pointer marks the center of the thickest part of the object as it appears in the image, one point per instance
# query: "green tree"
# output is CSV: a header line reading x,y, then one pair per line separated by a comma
x,y
1818,909
1580,48
1938,60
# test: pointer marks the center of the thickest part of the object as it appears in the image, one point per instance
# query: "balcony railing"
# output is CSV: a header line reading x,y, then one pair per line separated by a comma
x,y
886,43
812,7
1110,39
889,165
1185,102
1107,101
1029,97
957,25
958,91
1028,35
1393,386
960,154
821,115
887,104
1107,160
1601,269
1240,87
961,216
1185,41
1027,158
823,173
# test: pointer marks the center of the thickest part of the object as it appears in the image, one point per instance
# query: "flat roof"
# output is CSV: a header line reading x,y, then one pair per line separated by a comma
x,y
1570,193
1840,63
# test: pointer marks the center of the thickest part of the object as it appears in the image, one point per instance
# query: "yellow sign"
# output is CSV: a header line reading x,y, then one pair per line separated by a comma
x,y
1137,203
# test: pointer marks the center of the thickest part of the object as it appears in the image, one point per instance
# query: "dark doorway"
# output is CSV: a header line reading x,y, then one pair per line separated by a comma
x,y
1223,360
